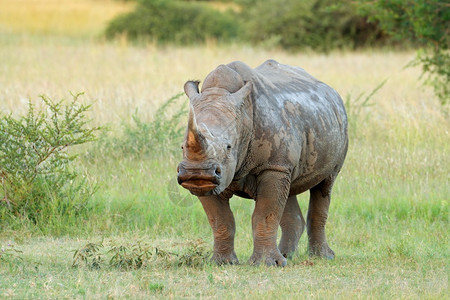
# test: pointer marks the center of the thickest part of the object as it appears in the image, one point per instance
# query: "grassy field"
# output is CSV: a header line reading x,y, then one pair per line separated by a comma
x,y
388,221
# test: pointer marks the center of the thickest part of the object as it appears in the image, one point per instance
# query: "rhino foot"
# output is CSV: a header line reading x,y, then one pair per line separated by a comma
x,y
288,252
225,259
322,251
274,258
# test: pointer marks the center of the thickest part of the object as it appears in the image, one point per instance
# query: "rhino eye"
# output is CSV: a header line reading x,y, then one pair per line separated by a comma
x,y
228,147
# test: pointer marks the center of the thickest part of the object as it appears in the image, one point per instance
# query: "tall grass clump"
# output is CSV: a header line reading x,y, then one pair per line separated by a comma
x,y
38,181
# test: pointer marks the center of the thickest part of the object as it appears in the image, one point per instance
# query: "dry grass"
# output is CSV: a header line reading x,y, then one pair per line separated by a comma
x,y
121,77
62,17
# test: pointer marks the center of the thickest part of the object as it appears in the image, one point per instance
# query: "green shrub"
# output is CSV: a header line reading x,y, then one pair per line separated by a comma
x,y
175,22
37,180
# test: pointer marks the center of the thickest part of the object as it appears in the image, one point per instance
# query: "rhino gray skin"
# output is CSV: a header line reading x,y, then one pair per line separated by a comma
x,y
266,134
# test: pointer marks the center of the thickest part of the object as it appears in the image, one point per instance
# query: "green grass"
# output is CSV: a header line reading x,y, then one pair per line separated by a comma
x,y
367,269
390,236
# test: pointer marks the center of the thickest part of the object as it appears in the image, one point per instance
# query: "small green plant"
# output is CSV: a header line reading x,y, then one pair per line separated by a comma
x,y
133,257
37,180
9,254
163,134
195,255
155,287
355,107
89,256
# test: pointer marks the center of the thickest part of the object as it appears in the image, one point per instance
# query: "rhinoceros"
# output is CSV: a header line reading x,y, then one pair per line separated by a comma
x,y
267,134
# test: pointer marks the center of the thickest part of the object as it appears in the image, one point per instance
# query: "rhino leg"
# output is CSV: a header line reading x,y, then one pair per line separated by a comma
x,y
316,219
292,226
221,219
272,192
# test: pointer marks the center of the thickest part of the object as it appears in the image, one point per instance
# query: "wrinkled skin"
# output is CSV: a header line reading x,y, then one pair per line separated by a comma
x,y
266,134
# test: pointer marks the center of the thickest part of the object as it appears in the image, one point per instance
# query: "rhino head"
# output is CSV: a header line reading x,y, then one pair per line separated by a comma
x,y
215,137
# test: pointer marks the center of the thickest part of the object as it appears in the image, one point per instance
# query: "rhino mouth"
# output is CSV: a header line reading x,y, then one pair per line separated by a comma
x,y
199,187
200,181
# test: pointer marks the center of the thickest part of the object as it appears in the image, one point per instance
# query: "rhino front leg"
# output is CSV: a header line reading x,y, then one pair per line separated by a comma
x,y
272,192
316,219
221,219
292,226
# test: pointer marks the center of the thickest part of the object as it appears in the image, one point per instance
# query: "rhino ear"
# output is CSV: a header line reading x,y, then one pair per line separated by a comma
x,y
191,89
243,93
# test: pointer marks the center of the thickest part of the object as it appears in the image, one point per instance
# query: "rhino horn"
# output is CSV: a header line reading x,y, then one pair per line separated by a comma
x,y
191,89
195,140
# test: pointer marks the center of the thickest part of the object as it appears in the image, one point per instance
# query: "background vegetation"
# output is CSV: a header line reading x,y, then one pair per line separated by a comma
x,y
138,237
290,24
313,24
321,25
425,22
174,21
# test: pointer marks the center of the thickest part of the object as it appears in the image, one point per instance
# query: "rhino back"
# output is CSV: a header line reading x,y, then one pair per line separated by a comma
x,y
299,124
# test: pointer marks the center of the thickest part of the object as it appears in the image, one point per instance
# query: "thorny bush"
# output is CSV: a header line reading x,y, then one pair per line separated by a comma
x,y
37,179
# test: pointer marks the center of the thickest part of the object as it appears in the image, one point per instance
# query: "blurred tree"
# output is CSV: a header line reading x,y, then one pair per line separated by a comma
x,y
290,24
174,21
423,22
316,24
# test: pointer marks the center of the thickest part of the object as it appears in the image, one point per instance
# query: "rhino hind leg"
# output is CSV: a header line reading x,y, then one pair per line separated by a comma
x,y
292,226
316,219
